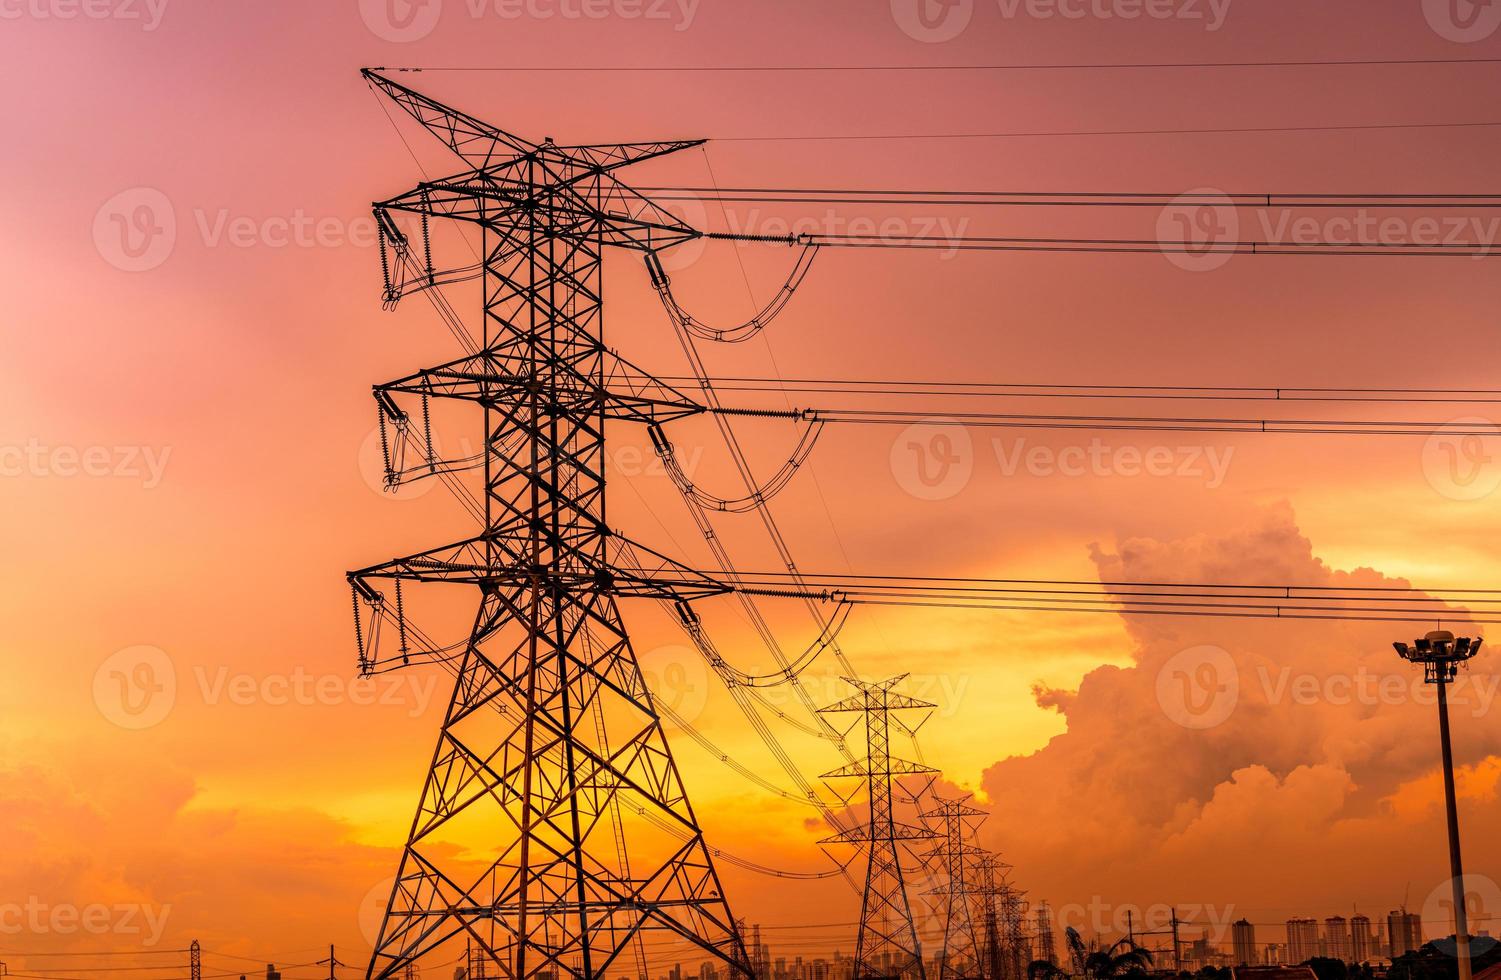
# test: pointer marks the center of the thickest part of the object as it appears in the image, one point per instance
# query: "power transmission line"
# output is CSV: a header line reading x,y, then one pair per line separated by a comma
x,y
1164,131
1073,199
1098,66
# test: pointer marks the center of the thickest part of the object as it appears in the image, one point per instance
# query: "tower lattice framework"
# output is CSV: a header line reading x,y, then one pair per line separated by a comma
x,y
994,901
887,944
955,822
554,834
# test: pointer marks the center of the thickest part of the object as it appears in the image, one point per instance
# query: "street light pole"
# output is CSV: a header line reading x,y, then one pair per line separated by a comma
x,y
1441,653
1456,867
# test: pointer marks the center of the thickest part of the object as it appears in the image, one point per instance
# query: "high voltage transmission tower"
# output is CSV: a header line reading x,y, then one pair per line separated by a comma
x,y
989,887
1018,944
887,944
551,745
955,822
1047,948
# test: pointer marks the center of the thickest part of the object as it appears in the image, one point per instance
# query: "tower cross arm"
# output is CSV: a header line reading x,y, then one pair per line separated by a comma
x,y
864,835
495,378
470,137
610,156
894,767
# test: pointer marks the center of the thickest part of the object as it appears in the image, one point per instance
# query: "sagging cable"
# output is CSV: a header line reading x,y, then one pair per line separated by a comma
x,y
746,330
739,678
758,495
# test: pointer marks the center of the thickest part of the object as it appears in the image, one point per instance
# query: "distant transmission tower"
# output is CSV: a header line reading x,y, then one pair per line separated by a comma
x,y
987,883
887,944
1047,947
554,833
1018,945
955,822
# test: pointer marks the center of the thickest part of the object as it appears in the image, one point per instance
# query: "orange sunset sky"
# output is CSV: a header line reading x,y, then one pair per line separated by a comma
x,y
190,464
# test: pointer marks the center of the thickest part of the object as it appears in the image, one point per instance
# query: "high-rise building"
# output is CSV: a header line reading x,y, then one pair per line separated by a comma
x,y
1405,930
1302,940
1362,944
1243,940
1337,938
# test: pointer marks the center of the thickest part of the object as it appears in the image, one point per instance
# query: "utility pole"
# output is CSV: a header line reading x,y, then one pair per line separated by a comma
x,y
888,934
332,962
551,751
195,962
1177,950
1440,654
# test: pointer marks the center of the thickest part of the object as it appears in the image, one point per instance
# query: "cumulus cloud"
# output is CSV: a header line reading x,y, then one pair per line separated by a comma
x,y
1272,764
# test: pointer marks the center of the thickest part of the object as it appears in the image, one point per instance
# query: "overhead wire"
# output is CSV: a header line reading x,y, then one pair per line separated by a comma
x,y
963,67
1380,604
1071,199
1132,423
946,388
1068,133
998,243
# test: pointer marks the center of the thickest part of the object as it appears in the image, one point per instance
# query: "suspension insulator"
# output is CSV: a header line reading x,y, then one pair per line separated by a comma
x,y
401,621
359,633
687,615
659,440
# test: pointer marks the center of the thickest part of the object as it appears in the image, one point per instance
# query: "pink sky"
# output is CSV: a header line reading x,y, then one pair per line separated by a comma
x,y
223,393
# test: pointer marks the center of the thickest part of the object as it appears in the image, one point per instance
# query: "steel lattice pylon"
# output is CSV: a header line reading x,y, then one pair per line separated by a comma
x,y
1046,948
956,822
1007,949
551,745
987,885
887,944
